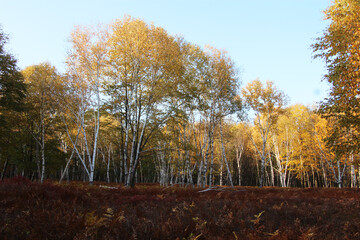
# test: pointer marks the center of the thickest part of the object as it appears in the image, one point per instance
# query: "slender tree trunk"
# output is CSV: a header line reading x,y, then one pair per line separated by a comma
x,y
82,157
313,176
324,174
271,170
221,171
37,155
187,158
257,172
212,156
66,167
281,169
204,170
339,177
200,170
188,169
171,171
121,173
67,175
262,171
125,150
352,171
141,178
130,181
266,179
87,154
288,179
108,165
126,171
224,155
163,170
137,148
239,151
4,169
97,128
202,155
42,146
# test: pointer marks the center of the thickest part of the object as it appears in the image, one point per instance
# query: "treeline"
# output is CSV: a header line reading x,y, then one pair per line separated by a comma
x,y
139,105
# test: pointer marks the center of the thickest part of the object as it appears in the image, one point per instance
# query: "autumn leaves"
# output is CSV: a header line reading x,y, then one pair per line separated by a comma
x,y
146,77
137,104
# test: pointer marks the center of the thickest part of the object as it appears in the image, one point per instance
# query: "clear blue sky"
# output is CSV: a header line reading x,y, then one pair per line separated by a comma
x,y
269,39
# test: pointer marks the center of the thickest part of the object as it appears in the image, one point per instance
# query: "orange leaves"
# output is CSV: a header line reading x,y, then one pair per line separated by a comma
x,y
87,55
339,47
264,99
143,55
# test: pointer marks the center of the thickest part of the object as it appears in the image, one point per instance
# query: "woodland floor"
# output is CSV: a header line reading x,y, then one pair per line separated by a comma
x,y
31,210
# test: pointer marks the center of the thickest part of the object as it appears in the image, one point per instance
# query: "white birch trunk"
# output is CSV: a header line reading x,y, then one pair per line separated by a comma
x,y
352,171
224,156
238,161
96,128
202,155
206,160
212,123
163,167
137,147
280,166
42,150
221,172
108,165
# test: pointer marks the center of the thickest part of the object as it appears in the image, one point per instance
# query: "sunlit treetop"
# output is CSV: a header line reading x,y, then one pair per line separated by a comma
x,y
340,48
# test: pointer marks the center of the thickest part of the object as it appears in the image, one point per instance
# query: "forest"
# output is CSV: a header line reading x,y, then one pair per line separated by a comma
x,y
138,105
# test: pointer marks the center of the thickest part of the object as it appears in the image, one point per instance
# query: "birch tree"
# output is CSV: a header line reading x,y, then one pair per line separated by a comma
x,y
283,143
220,98
339,47
86,62
144,62
267,102
240,140
337,163
42,82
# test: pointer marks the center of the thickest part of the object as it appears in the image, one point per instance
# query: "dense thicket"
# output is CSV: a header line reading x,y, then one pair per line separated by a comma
x,y
139,105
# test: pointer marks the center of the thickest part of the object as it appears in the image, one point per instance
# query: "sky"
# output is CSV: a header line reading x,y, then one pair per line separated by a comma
x,y
267,39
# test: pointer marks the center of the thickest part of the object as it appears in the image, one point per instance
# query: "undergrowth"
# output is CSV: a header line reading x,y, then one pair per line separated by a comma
x,y
31,210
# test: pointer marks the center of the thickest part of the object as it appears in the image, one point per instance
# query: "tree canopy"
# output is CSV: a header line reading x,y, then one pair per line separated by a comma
x,y
137,104
340,48
12,87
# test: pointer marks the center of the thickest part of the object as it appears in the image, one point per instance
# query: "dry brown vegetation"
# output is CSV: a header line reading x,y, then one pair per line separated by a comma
x,y
31,210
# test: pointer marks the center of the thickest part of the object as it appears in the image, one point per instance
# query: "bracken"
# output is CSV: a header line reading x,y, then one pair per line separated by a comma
x,y
32,210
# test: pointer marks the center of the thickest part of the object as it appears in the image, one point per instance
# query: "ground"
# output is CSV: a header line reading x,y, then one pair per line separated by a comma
x,y
30,210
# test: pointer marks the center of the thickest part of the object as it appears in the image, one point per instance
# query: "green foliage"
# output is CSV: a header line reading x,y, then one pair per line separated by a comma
x,y
12,87
12,94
